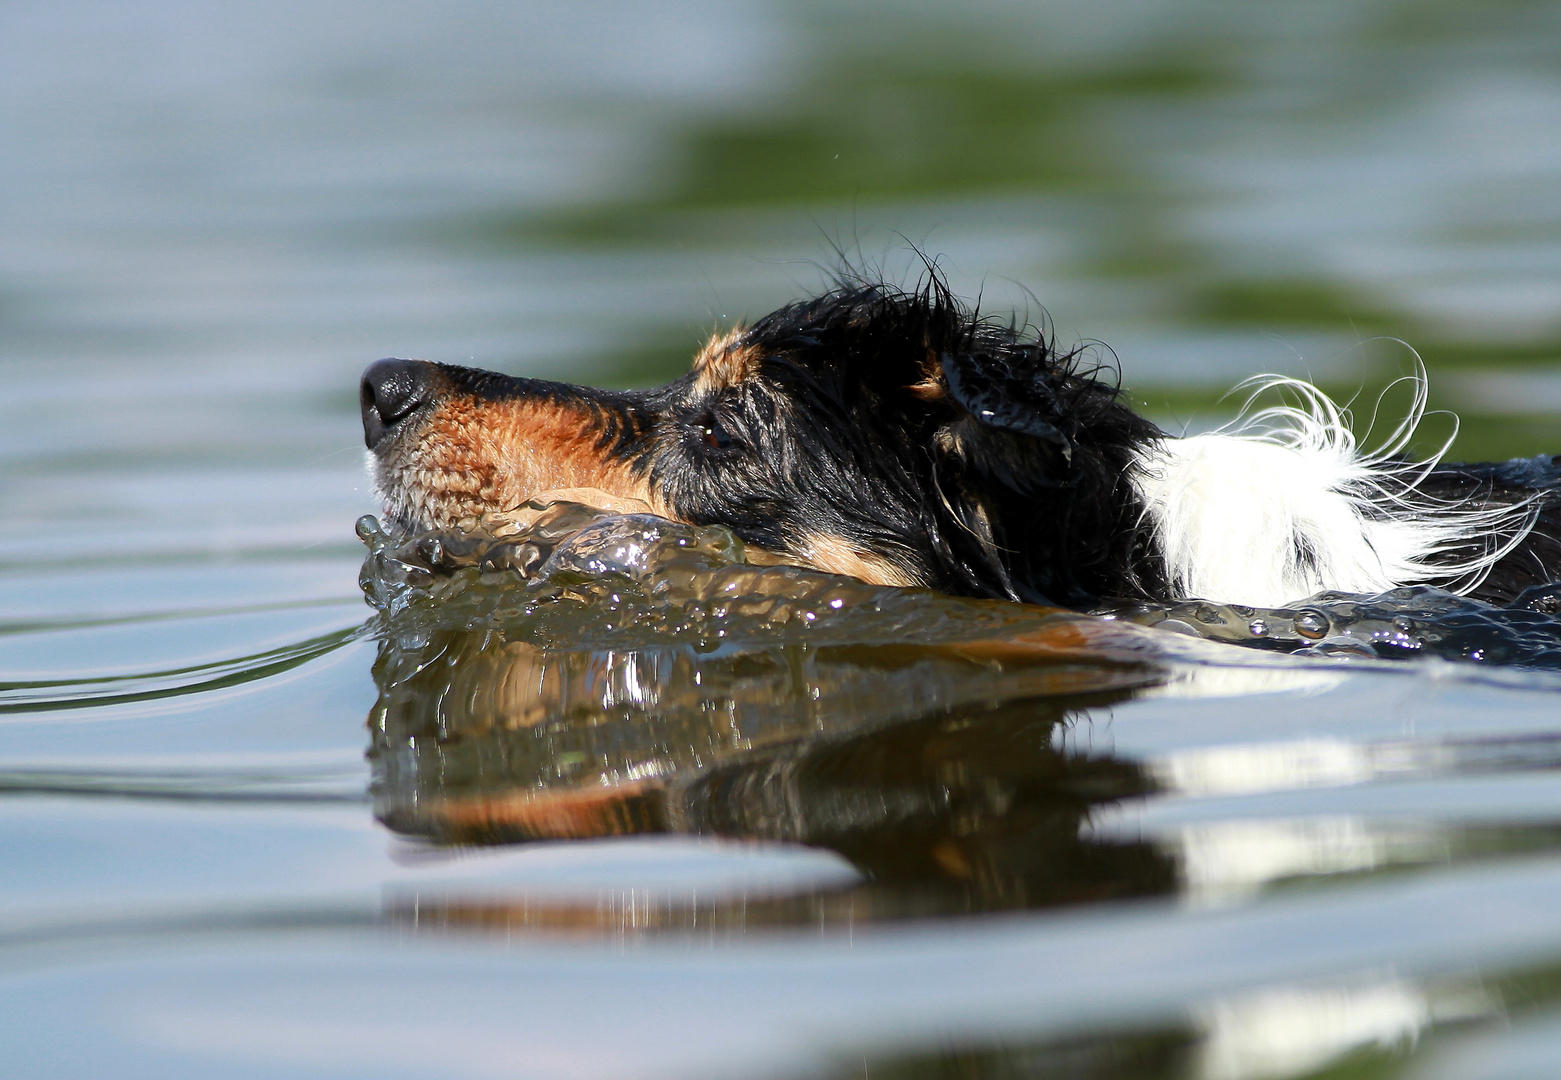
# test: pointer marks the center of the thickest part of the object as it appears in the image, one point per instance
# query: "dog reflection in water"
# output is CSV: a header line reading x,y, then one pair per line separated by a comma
x,y
590,675
936,777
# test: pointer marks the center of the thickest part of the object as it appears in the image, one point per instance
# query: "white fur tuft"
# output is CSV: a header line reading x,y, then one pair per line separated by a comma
x,y
1283,503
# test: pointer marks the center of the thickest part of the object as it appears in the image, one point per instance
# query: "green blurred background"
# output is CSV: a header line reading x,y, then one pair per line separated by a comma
x,y
1322,189
1326,177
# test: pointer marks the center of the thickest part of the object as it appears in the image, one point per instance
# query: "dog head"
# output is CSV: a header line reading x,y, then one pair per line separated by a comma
x,y
893,436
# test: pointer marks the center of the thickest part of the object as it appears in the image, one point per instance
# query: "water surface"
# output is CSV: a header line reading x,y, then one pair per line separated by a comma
x,y
900,845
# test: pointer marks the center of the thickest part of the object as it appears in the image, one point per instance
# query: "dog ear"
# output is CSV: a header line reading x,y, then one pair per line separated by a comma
x,y
1000,396
1010,430
1004,455
1031,461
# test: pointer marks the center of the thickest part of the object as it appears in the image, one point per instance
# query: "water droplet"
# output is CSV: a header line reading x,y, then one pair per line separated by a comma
x,y
368,529
1404,624
1311,624
1341,645
1208,614
411,573
1258,627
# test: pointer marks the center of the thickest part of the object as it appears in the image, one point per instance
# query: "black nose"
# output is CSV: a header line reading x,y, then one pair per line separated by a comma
x,y
390,392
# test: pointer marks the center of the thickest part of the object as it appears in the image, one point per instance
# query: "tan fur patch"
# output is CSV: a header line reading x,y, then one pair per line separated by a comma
x,y
836,556
538,506
929,389
930,386
602,500
475,457
725,361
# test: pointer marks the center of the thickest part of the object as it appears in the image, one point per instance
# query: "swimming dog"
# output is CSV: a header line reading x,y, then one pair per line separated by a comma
x,y
899,437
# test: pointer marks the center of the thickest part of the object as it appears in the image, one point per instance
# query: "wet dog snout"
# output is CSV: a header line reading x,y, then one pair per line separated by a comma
x,y
390,392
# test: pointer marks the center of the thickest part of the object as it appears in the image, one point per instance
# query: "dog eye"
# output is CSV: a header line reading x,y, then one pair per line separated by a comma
x,y
713,435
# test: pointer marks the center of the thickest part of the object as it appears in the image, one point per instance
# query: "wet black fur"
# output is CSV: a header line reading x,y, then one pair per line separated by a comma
x,y
1537,561
1011,483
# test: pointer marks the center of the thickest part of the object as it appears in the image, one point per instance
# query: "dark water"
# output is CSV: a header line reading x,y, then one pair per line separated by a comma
x,y
625,804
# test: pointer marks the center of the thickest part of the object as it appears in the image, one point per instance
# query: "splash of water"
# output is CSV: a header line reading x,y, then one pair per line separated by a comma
x,y
566,576
572,576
